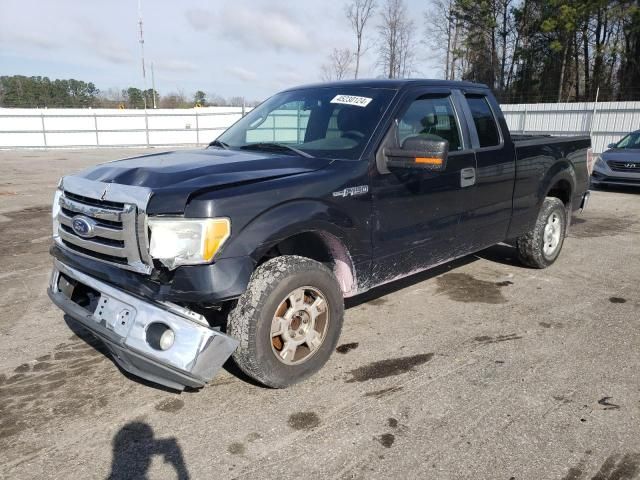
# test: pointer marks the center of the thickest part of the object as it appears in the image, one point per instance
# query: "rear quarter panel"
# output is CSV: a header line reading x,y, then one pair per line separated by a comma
x,y
540,164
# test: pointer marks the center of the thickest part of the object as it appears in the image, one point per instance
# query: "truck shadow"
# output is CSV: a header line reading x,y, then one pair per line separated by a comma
x,y
406,282
134,447
502,253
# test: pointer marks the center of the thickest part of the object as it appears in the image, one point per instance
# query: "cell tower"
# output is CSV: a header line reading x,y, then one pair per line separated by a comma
x,y
144,70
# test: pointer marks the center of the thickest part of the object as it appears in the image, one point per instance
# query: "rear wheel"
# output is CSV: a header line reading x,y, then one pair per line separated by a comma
x,y
288,321
540,247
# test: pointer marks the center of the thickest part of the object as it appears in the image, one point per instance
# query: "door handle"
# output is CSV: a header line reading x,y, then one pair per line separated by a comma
x,y
467,177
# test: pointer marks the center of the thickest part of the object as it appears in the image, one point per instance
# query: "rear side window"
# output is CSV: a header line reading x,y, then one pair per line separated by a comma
x,y
484,121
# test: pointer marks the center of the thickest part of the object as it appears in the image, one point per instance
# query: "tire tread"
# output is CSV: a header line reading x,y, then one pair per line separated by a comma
x,y
242,322
529,245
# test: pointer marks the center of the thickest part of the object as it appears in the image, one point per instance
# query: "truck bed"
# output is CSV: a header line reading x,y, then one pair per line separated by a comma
x,y
524,140
536,156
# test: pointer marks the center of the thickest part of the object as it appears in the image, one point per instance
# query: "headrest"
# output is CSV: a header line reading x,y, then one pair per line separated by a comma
x,y
417,118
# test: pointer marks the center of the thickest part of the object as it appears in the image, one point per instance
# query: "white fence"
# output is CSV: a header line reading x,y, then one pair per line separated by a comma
x,y
57,128
607,122
67,127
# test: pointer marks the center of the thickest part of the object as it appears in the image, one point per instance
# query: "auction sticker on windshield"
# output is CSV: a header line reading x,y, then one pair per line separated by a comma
x,y
352,100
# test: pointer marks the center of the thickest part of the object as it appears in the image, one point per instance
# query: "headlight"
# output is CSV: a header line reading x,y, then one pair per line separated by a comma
x,y
55,210
184,241
600,163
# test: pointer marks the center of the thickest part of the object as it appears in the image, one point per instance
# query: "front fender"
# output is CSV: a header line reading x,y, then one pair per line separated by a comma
x,y
286,220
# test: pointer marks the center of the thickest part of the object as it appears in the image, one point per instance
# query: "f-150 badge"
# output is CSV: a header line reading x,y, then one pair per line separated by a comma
x,y
352,191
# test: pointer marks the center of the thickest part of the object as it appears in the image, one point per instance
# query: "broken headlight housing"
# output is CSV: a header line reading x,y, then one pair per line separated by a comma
x,y
187,241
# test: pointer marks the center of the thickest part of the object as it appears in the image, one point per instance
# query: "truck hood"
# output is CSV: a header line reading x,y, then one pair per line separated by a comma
x,y
174,176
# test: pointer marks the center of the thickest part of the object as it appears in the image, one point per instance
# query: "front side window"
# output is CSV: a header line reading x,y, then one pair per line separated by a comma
x,y
329,122
484,121
631,141
432,118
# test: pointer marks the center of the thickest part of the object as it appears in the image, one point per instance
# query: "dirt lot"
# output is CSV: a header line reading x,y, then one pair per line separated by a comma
x,y
480,369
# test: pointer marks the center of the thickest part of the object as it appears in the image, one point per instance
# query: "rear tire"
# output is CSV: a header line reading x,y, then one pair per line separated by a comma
x,y
540,247
288,321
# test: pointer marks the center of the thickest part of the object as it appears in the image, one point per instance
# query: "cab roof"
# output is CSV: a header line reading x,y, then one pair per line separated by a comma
x,y
395,84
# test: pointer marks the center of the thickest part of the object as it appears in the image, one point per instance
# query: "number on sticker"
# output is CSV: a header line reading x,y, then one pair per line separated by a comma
x,y
352,100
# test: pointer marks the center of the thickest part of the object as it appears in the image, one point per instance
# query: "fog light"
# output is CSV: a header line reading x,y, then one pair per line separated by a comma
x,y
160,336
166,340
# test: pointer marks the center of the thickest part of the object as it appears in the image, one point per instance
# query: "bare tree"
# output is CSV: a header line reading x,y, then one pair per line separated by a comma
x,y
358,13
407,54
111,98
442,34
236,101
339,66
175,100
397,48
216,100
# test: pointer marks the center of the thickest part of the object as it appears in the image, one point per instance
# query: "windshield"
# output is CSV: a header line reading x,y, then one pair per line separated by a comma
x,y
330,122
630,141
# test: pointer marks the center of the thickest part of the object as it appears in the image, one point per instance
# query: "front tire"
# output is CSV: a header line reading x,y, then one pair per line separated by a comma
x,y
540,247
288,321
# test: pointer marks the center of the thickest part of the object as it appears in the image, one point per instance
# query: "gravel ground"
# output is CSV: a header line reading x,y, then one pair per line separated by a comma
x,y
480,369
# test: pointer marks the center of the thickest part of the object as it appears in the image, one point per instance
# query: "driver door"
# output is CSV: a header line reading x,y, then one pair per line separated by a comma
x,y
416,211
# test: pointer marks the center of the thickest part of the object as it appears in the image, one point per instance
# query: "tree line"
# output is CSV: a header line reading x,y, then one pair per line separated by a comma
x,y
525,50
30,92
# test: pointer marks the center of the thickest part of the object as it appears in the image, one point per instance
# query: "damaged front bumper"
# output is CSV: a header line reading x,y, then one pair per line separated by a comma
x,y
126,324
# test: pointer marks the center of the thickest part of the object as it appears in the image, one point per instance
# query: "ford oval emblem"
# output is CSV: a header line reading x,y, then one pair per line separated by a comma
x,y
83,226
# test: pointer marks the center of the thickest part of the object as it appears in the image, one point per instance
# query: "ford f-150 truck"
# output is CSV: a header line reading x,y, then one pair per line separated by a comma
x,y
248,247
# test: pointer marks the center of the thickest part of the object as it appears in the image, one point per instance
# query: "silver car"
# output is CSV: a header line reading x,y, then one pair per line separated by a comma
x,y
620,164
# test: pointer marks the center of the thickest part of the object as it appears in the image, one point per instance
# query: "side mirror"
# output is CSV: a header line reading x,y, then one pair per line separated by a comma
x,y
418,152
612,145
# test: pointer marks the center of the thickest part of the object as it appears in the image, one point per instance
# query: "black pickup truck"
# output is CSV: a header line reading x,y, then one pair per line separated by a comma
x,y
248,247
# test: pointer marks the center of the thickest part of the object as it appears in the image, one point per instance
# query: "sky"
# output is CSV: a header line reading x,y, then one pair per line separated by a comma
x,y
250,48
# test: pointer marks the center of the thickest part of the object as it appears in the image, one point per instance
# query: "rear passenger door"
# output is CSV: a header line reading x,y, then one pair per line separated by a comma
x,y
486,220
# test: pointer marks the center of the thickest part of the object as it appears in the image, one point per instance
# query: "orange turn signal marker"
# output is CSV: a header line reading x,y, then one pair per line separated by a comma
x,y
429,160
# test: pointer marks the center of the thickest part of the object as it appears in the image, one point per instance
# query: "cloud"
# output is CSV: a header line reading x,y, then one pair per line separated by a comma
x,y
199,18
242,73
30,39
252,27
291,79
102,46
179,66
264,28
113,53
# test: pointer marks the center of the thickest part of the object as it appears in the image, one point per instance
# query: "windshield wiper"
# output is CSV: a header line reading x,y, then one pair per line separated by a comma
x,y
218,143
280,147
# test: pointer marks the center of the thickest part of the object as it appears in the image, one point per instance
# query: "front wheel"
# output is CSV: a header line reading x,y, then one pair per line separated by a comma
x,y
540,247
288,321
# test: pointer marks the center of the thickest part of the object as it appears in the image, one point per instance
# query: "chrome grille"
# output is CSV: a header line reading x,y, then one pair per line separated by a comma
x,y
118,233
624,166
